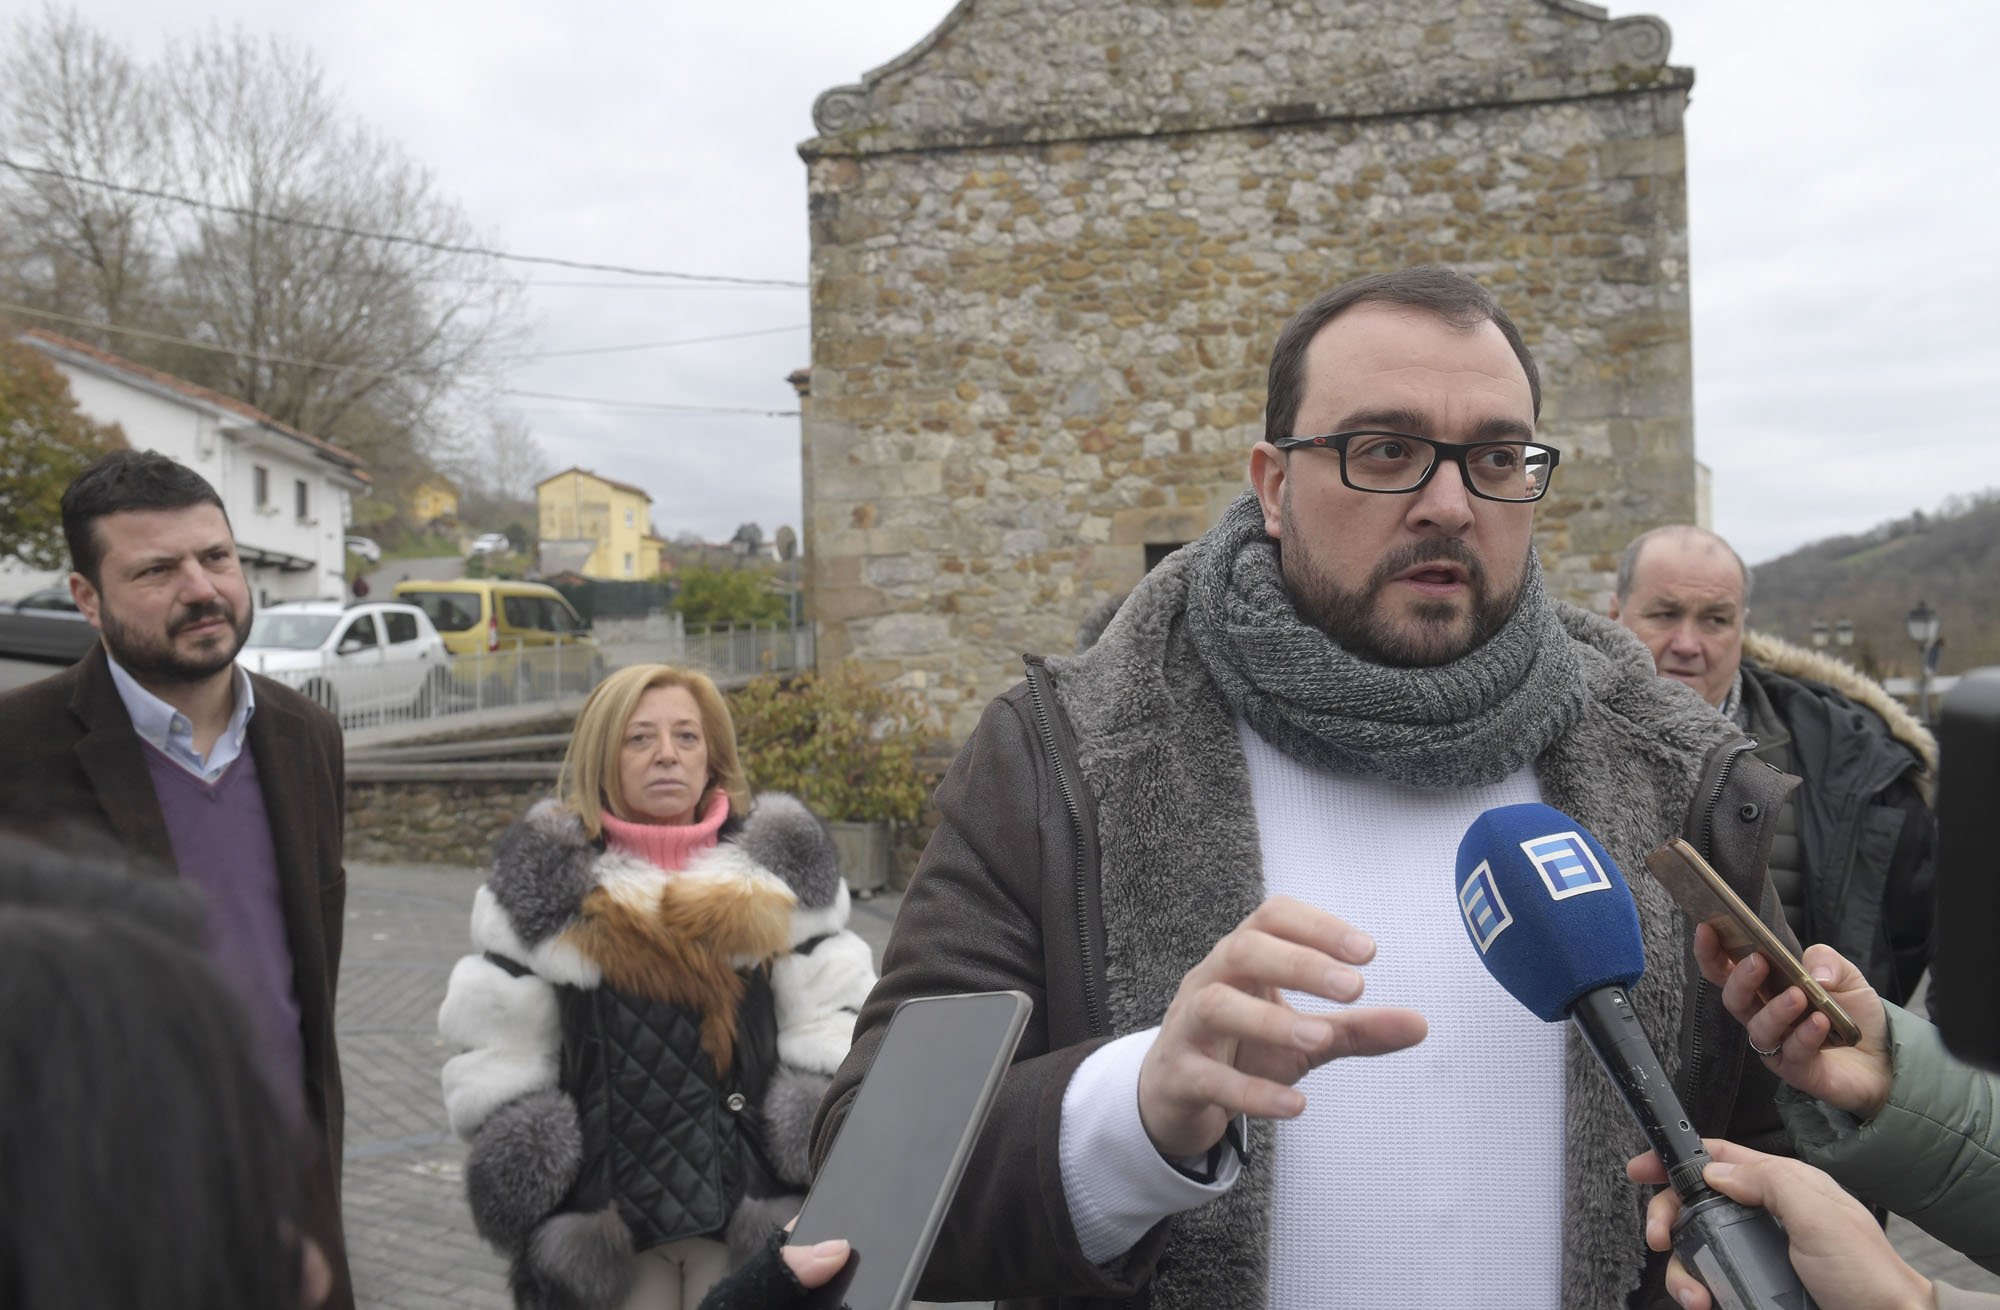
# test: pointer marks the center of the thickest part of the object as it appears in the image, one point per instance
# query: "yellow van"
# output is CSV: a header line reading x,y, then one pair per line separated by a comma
x,y
509,640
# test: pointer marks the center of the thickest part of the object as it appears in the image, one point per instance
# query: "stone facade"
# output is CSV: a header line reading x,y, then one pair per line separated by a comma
x,y
1053,244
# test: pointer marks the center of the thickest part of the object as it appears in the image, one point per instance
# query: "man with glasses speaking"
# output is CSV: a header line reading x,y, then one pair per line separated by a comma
x,y
1190,842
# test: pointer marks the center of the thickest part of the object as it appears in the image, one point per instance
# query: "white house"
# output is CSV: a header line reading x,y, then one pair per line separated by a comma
x,y
287,493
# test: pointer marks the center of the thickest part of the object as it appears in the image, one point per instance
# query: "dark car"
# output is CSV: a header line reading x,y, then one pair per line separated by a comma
x,y
45,625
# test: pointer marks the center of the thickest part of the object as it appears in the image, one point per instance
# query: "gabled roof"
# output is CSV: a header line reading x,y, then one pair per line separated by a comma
x,y
1049,71
584,472
103,361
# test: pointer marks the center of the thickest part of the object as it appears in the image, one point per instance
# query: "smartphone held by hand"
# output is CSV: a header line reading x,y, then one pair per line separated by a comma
x,y
891,1173
1706,897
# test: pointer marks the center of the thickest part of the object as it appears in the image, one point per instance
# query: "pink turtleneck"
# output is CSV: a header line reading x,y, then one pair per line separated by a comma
x,y
669,846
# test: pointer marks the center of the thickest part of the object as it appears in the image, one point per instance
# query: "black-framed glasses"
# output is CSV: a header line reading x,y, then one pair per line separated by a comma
x,y
1396,462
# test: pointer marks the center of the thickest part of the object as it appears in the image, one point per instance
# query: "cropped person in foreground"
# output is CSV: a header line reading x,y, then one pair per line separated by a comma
x,y
146,1157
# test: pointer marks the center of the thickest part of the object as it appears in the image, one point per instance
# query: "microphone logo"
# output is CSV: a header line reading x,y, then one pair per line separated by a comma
x,y
1485,913
1567,865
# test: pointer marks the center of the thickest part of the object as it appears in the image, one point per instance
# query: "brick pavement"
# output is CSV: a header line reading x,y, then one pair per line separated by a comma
x,y
409,1235
410,1238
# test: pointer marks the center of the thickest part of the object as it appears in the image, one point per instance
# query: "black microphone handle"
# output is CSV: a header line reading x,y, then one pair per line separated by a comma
x,y
1609,1026
1738,1252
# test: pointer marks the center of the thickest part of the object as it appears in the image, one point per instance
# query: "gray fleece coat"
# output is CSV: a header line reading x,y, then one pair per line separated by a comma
x,y
1099,917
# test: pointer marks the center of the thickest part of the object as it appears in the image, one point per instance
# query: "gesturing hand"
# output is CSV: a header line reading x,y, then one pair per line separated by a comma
x,y
1230,1045
1855,1078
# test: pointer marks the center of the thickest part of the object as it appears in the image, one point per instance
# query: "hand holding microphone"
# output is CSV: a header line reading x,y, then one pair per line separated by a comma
x,y
1552,919
1839,1251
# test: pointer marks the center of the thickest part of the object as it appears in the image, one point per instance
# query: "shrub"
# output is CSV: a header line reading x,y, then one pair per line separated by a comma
x,y
709,597
848,748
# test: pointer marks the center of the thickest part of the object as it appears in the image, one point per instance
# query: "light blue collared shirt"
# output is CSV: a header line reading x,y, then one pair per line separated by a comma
x,y
171,731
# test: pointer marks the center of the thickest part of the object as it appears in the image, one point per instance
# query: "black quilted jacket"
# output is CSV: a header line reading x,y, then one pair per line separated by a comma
x,y
663,1136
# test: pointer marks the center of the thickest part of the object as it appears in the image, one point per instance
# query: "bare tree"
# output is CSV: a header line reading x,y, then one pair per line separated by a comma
x,y
498,470
77,106
503,460
272,289
389,331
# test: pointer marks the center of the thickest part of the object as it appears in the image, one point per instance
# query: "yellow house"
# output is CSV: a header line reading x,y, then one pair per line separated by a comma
x,y
596,526
432,499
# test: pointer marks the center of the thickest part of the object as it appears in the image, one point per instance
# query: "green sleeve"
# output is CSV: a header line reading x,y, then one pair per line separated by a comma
x,y
1932,1155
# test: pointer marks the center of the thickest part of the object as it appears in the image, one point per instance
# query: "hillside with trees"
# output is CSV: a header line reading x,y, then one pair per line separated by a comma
x,y
1949,558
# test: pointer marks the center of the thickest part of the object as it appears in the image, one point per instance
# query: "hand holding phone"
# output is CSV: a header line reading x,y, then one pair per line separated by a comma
x,y
1705,897
892,1170
1857,1078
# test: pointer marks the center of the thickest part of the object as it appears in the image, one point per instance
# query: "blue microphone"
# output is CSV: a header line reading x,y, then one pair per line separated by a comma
x,y
1550,914
1534,855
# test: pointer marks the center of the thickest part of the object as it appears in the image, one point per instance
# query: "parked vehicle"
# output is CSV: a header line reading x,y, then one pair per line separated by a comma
x,y
492,543
45,625
366,548
363,663
509,639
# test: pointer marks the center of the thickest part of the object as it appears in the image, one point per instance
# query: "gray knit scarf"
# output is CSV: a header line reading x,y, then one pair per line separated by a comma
x,y
1476,720
1181,864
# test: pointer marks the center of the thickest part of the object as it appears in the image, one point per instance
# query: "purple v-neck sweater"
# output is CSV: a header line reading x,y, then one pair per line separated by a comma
x,y
221,835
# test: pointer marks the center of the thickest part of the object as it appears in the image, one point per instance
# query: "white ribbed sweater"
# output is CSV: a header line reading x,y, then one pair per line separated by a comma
x,y
1432,1177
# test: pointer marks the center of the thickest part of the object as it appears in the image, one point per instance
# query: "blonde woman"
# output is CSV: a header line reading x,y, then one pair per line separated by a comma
x,y
630,1100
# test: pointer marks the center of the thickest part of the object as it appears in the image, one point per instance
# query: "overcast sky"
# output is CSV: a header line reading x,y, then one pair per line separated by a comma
x,y
1842,212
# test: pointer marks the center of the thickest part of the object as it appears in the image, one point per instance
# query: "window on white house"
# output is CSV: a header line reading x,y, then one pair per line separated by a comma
x,y
260,482
302,498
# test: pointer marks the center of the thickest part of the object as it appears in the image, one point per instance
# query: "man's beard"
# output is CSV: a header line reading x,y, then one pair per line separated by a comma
x,y
150,658
1436,631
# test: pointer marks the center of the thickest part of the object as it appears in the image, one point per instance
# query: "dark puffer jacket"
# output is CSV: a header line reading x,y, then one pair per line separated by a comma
x,y
625,1084
1853,858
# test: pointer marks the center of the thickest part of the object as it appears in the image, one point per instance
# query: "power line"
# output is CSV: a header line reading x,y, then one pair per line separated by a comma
x,y
616,409
651,406
337,229
648,406
647,286
662,345
261,356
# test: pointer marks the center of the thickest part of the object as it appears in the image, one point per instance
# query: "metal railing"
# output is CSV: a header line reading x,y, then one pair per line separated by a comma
x,y
729,653
365,694
374,694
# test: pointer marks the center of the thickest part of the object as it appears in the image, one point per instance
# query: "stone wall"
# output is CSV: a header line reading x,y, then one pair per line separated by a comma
x,y
440,822
1052,246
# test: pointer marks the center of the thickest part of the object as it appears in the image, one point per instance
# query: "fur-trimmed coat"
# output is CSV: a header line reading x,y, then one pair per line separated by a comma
x,y
1854,857
643,1052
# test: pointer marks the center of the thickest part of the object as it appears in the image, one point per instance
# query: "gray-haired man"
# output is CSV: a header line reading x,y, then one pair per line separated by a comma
x,y
1852,858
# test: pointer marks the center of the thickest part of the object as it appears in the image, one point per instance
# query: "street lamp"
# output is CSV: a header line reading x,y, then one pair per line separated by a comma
x,y
1923,623
1843,632
1819,632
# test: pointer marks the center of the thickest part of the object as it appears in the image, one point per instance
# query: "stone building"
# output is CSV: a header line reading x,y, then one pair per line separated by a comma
x,y
1053,243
